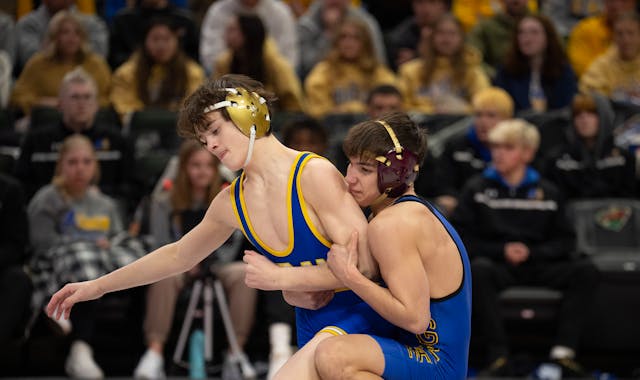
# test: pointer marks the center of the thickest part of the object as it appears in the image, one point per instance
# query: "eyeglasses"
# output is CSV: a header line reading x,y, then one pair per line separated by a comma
x,y
79,97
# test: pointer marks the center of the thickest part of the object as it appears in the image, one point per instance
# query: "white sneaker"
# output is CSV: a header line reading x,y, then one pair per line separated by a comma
x,y
80,363
150,366
277,360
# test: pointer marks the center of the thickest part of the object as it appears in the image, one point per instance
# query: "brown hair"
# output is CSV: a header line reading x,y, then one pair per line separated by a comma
x,y
174,85
370,139
192,119
181,193
554,57
583,103
52,49
69,144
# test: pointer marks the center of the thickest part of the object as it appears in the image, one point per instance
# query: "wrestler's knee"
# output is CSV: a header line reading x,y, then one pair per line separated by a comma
x,y
331,360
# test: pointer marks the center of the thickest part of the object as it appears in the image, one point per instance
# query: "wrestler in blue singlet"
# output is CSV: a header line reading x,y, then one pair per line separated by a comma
x,y
346,313
442,351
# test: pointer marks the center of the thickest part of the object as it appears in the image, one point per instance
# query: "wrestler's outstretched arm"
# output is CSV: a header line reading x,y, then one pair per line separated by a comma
x,y
168,260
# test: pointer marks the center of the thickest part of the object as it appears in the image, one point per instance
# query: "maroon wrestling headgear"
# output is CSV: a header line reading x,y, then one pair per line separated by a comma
x,y
397,169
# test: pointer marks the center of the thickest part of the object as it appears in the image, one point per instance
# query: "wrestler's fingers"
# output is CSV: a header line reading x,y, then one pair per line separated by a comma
x,y
53,307
353,241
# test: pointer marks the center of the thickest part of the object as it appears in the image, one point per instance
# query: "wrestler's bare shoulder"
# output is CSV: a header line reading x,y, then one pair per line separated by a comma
x,y
319,173
221,209
406,218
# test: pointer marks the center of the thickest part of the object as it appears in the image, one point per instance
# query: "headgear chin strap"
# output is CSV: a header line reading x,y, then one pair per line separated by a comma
x,y
248,111
397,169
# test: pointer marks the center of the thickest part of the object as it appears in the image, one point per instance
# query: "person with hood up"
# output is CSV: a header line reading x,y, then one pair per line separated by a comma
x,y
590,165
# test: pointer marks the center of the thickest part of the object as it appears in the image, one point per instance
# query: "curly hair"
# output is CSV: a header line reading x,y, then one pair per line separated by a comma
x,y
192,119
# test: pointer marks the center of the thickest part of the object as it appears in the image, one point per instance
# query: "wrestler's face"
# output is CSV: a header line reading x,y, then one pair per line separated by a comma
x,y
362,179
224,140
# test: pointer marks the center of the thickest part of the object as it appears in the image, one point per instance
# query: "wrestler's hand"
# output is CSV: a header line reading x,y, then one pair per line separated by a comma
x,y
308,300
260,272
343,260
64,299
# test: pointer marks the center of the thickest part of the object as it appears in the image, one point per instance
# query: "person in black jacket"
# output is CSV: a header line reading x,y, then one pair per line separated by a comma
x,y
467,155
15,285
78,104
589,164
514,226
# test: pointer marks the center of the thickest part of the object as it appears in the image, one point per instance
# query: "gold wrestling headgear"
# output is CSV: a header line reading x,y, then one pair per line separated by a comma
x,y
246,110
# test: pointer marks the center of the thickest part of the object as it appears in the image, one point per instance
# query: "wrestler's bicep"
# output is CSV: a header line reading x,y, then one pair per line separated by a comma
x,y
213,230
326,191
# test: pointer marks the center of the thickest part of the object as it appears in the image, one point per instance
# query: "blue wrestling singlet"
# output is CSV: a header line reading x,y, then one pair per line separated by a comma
x,y
442,351
346,313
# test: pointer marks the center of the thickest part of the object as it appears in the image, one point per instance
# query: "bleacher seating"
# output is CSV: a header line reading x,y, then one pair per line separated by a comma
x,y
608,231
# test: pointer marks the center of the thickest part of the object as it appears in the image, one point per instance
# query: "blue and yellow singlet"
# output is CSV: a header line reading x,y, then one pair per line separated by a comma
x,y
441,352
346,313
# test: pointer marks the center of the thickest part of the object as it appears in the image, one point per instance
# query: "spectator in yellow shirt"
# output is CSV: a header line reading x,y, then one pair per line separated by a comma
x,y
446,76
158,75
591,37
340,83
66,47
616,73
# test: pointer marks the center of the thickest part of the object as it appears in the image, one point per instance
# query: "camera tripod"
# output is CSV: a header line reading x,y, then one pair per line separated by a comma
x,y
205,289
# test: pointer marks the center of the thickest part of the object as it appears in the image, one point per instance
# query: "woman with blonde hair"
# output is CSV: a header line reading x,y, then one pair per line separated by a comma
x,y
66,47
77,235
340,83
446,75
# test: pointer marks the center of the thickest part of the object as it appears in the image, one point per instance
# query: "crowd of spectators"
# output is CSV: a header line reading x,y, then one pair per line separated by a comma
x,y
75,76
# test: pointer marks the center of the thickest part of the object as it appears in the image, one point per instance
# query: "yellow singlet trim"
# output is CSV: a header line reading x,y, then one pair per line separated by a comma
x,y
303,205
287,251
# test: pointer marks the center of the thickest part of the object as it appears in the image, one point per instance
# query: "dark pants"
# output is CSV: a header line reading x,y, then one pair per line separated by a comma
x,y
576,279
277,310
15,292
83,319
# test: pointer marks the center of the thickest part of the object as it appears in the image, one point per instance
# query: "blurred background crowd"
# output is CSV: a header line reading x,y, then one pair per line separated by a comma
x,y
93,175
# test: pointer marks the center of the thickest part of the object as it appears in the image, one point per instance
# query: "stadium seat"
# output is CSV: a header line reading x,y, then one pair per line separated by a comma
x,y
608,231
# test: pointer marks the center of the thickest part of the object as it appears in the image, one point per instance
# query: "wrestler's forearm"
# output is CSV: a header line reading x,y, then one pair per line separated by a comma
x,y
308,278
162,263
